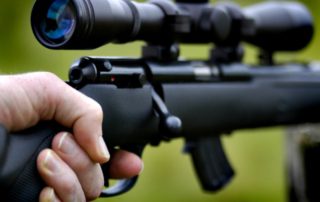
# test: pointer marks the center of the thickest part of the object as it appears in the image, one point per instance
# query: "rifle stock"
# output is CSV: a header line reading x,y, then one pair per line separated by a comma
x,y
219,105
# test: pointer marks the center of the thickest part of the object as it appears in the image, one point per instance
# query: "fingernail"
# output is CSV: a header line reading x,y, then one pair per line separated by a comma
x,y
51,164
103,149
66,145
50,196
142,167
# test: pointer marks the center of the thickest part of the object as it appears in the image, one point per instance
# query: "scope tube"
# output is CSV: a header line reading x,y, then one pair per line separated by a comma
x,y
83,24
88,24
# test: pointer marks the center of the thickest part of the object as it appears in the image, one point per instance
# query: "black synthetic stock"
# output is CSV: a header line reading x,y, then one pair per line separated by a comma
x,y
224,107
130,121
19,177
205,108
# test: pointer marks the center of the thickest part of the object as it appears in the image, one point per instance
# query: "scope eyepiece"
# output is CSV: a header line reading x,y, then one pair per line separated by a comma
x,y
58,21
54,22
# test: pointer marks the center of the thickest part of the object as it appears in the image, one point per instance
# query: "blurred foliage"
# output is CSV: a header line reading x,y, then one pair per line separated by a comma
x,y
257,155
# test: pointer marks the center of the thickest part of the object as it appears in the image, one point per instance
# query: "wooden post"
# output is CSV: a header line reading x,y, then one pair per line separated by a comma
x,y
303,163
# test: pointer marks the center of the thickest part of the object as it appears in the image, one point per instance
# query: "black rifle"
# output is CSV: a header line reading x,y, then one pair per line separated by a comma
x,y
159,96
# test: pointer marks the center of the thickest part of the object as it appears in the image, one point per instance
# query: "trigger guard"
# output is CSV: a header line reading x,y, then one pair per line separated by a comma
x,y
120,187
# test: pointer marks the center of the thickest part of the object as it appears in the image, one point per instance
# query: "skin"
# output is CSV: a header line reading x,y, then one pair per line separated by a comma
x,y
71,167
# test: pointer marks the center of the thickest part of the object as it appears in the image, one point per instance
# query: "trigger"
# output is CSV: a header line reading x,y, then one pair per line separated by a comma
x,y
122,185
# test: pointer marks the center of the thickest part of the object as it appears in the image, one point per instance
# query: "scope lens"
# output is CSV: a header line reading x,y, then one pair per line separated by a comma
x,y
59,21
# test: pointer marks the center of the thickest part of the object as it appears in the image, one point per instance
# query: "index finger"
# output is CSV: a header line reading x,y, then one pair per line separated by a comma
x,y
84,116
43,96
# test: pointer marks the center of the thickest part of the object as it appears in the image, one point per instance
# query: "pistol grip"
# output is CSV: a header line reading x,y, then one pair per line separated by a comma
x,y
210,162
19,178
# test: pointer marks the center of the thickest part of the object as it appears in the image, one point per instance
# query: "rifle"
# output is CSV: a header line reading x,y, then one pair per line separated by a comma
x,y
161,96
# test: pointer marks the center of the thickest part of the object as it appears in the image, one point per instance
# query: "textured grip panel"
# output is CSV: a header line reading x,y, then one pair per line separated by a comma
x,y
28,184
19,178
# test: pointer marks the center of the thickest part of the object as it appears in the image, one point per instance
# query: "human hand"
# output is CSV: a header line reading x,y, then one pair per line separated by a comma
x,y
71,168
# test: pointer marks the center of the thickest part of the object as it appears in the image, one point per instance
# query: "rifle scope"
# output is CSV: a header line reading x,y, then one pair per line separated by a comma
x,y
86,24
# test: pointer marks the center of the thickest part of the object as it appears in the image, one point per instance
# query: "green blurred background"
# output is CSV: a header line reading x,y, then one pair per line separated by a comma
x,y
258,156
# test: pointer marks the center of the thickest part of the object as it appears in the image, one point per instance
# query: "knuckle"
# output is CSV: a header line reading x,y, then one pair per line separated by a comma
x,y
96,111
94,192
48,76
69,187
93,181
84,166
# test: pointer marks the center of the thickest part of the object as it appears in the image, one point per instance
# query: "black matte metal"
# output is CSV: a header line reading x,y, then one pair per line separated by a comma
x,y
270,26
279,26
102,21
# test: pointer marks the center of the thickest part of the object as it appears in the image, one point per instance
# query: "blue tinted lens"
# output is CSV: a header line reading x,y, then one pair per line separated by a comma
x,y
59,21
